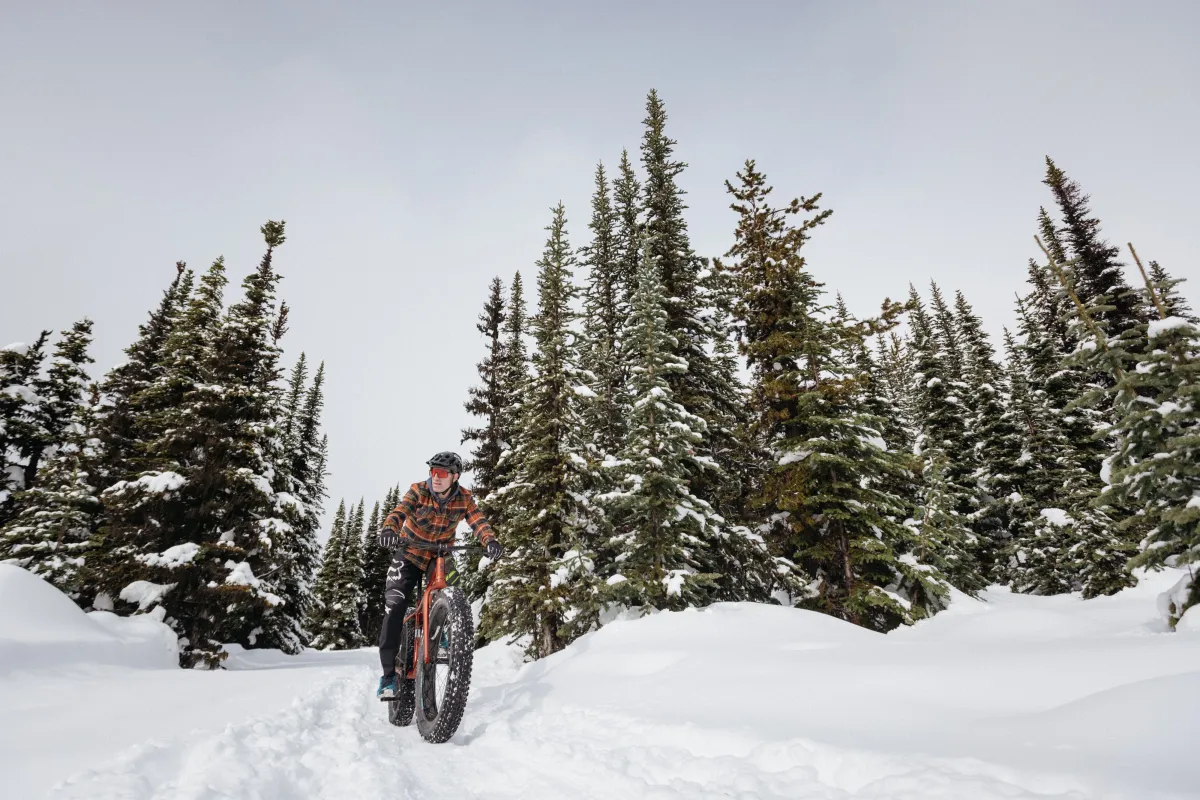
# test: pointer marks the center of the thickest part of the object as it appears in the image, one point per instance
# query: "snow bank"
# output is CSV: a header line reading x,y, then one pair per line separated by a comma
x,y
1004,697
41,627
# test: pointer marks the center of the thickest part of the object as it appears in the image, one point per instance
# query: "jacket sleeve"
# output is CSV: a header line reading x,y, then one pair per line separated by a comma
x,y
479,523
395,520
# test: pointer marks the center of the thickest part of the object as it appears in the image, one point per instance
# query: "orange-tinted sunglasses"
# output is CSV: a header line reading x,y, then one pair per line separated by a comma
x,y
438,472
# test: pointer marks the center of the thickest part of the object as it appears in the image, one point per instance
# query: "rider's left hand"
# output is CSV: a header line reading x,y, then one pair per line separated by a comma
x,y
494,549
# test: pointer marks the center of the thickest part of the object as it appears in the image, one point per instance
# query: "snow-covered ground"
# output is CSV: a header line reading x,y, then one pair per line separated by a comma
x,y
1015,697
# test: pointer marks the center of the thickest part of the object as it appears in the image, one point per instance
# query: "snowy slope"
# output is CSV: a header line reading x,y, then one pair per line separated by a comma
x,y
1016,697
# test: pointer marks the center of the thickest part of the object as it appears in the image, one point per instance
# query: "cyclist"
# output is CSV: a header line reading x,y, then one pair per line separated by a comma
x,y
429,512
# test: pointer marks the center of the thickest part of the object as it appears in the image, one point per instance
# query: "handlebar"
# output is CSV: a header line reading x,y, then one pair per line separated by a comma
x,y
437,548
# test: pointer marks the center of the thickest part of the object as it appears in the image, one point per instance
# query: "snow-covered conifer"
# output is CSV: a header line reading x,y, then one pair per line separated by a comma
x,y
486,401
545,587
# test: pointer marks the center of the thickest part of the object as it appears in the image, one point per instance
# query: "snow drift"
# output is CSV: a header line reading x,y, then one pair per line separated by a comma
x,y
40,627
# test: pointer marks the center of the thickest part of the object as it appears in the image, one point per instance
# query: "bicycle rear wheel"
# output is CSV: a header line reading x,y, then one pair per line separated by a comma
x,y
442,685
400,710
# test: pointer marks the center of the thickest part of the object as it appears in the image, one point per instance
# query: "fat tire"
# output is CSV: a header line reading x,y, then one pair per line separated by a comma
x,y
439,723
400,710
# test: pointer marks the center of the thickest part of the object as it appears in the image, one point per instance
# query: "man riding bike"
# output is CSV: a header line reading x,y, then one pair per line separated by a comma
x,y
429,512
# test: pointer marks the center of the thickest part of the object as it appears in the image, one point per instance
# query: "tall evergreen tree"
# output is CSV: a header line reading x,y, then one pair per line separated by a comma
x,y
513,377
1173,303
1097,271
199,531
994,437
1156,465
370,613
486,400
546,587
142,556
699,389
57,510
20,365
124,406
60,394
330,622
944,446
349,584
826,498
300,484
1100,551
627,206
666,534
771,290
948,335
604,409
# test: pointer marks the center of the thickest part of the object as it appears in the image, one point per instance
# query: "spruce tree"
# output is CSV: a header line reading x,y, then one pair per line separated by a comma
x,y
948,335
199,532
1097,272
1173,303
327,623
486,400
896,364
60,393
348,596
604,406
57,512
513,380
546,588
1100,550
513,377
627,206
20,365
1155,465
300,490
142,556
666,535
124,406
1036,559
20,409
943,536
994,437
831,515
375,561
943,441
289,428
700,389
770,287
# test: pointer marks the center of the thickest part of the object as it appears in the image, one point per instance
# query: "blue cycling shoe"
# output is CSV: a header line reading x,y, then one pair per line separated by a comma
x,y
388,688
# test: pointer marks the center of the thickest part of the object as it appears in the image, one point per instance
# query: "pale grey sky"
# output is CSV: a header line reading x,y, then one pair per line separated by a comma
x,y
415,151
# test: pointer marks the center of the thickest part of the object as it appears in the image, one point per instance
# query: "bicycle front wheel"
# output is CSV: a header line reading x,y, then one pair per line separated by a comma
x,y
443,684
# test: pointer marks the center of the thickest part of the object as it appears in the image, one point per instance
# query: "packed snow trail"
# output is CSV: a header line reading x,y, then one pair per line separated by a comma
x,y
1019,697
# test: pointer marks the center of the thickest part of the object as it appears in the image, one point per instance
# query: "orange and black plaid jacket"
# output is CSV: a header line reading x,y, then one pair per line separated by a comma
x,y
421,517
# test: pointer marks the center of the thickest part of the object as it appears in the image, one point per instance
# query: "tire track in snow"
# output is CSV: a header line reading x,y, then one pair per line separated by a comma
x,y
515,743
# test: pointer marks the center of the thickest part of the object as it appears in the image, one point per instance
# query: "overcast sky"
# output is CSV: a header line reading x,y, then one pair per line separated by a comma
x,y
415,150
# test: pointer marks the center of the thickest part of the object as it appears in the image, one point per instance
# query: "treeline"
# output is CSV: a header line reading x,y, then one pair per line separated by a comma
x,y
864,466
188,482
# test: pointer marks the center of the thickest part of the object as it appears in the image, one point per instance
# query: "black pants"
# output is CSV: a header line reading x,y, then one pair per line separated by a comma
x,y
403,580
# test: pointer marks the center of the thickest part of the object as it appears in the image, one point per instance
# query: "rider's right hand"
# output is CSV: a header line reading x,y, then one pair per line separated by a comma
x,y
388,538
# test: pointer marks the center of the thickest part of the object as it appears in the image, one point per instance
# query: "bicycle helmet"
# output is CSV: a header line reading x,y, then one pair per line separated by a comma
x,y
448,461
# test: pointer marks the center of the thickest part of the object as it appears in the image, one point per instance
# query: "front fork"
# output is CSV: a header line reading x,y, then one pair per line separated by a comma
x,y
420,616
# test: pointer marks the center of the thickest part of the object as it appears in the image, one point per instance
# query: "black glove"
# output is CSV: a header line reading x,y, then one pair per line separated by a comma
x,y
388,538
493,549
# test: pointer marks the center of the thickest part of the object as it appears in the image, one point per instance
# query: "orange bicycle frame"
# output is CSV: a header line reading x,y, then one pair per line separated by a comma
x,y
420,614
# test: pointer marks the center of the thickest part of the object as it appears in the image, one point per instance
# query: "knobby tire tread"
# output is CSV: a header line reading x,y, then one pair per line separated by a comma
x,y
449,715
401,710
